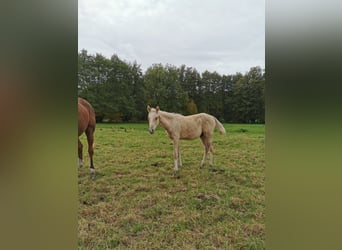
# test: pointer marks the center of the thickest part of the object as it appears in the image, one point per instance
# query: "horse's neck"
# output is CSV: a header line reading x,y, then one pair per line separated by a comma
x,y
166,120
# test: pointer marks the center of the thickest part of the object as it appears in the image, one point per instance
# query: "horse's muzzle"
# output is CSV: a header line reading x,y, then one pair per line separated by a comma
x,y
151,130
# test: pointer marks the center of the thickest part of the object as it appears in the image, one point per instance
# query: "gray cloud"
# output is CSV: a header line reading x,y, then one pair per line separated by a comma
x,y
219,35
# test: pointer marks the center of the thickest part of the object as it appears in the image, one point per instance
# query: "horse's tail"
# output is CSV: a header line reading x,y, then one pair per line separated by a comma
x,y
220,127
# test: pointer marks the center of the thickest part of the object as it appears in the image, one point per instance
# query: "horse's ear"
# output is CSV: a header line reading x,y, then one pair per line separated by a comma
x,y
157,109
148,108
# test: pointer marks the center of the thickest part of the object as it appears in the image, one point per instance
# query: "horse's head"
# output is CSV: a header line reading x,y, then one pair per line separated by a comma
x,y
153,118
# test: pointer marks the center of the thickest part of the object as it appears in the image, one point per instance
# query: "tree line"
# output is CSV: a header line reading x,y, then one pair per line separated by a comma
x,y
119,91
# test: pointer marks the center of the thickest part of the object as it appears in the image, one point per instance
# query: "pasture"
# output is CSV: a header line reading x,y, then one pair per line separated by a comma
x,y
135,202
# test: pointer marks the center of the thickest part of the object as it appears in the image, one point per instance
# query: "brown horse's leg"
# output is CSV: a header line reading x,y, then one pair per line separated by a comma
x,y
80,154
206,149
90,139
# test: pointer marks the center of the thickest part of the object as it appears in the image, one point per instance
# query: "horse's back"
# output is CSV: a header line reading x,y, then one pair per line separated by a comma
x,y
83,102
202,118
193,126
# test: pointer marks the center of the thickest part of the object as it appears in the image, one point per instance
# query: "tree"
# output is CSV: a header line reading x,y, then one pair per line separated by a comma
x,y
119,91
138,92
163,88
211,86
191,108
248,97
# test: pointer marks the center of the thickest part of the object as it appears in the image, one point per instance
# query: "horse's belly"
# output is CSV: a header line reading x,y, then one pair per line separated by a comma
x,y
190,135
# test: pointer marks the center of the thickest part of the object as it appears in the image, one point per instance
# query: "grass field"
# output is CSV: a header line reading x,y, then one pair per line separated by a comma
x,y
135,203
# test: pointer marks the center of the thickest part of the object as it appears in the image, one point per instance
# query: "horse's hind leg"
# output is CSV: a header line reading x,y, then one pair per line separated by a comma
x,y
90,139
211,152
206,149
80,155
179,158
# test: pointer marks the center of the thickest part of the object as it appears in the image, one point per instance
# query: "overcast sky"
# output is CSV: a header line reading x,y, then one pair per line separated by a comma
x,y
226,36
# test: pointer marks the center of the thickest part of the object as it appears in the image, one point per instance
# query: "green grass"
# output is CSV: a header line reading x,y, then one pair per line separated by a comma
x,y
135,203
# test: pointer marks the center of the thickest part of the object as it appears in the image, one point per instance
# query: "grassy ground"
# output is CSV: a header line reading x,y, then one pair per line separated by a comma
x,y
135,203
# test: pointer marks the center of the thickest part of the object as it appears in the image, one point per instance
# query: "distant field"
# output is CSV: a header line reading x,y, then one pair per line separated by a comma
x,y
135,203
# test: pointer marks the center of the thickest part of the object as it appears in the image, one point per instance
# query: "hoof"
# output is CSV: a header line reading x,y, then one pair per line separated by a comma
x,y
92,173
176,175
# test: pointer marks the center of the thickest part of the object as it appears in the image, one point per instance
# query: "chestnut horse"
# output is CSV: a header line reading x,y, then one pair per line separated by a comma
x,y
86,124
188,128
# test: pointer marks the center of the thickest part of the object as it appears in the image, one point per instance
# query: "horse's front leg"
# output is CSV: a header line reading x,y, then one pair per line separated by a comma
x,y
179,158
175,156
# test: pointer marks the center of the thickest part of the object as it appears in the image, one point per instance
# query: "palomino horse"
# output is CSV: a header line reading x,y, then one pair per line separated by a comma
x,y
86,124
185,127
